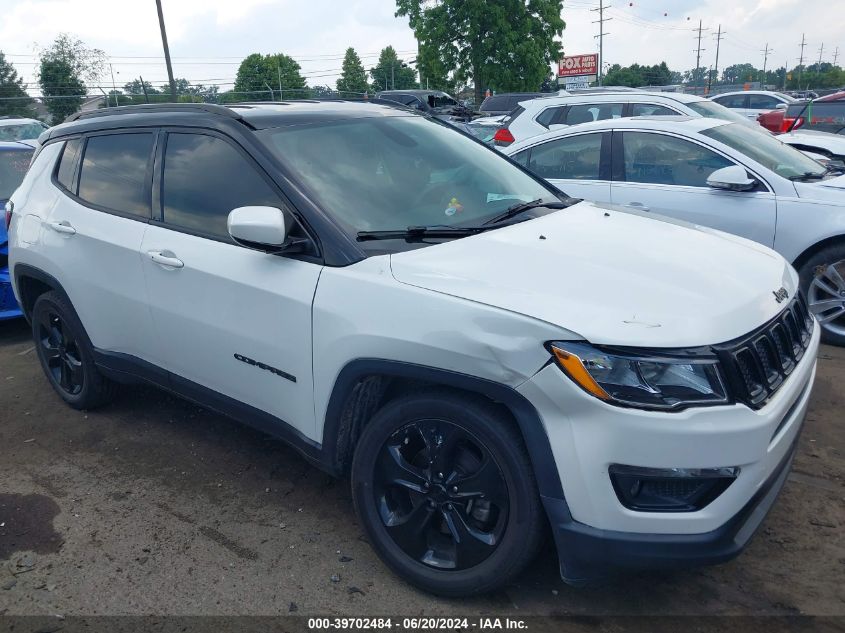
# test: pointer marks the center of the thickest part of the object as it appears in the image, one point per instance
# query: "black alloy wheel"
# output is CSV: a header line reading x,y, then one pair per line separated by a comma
x,y
445,491
60,352
441,495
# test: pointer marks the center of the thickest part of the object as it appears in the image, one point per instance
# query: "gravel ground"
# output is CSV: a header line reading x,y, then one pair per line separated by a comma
x,y
155,506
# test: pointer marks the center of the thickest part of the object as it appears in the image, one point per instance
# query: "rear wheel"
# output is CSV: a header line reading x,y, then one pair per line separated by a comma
x,y
65,355
823,281
445,490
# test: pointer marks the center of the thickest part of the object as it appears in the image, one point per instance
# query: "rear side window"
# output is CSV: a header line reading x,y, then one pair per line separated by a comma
x,y
67,164
114,173
650,109
204,179
13,167
549,116
570,158
585,113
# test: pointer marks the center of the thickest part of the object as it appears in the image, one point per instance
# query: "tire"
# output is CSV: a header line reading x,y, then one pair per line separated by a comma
x,y
64,351
822,279
472,447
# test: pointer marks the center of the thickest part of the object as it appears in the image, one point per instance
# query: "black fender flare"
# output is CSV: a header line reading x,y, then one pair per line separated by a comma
x,y
526,416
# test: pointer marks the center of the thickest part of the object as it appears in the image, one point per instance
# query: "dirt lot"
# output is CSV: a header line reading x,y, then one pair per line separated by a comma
x,y
154,506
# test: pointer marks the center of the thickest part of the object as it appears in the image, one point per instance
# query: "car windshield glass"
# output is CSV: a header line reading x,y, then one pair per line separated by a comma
x,y
20,132
782,159
441,101
13,166
391,172
711,110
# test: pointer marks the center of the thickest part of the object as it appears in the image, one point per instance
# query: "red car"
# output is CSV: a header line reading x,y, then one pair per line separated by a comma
x,y
771,120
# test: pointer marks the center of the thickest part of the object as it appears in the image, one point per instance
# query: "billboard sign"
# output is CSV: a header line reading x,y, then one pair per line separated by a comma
x,y
578,65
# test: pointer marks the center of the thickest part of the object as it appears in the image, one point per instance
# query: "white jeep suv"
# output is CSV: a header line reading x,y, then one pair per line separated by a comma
x,y
408,307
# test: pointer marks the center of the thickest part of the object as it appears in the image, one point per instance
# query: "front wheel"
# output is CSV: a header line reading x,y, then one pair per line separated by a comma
x,y
444,488
823,282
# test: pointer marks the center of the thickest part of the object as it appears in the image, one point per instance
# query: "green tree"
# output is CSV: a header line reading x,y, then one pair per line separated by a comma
x,y
740,73
65,66
13,98
353,77
263,75
391,73
635,75
501,45
62,88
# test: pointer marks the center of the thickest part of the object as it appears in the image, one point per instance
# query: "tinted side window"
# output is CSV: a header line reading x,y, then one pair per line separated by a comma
x,y
762,102
204,179
522,157
67,163
574,157
650,109
667,160
585,113
732,101
114,172
548,116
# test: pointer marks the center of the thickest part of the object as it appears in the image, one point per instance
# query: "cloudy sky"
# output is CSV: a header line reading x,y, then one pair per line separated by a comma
x,y
208,38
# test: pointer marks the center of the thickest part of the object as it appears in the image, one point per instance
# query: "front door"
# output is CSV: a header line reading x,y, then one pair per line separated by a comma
x,y
667,175
229,319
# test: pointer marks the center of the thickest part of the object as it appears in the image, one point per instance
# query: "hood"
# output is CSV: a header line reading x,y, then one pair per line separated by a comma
x,y
614,278
830,191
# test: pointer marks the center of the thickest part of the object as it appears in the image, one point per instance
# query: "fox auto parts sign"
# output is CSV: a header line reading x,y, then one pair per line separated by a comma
x,y
578,65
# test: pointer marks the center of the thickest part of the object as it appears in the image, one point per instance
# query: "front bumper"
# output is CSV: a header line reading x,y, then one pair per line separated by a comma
x,y
593,530
584,550
9,308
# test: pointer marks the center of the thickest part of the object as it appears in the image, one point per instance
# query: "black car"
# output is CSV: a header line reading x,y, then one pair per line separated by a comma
x,y
504,103
434,102
825,114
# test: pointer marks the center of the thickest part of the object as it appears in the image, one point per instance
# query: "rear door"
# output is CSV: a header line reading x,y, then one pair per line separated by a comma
x,y
760,104
658,173
577,164
229,320
738,103
95,230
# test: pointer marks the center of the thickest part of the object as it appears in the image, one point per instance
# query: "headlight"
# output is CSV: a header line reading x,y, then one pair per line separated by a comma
x,y
646,381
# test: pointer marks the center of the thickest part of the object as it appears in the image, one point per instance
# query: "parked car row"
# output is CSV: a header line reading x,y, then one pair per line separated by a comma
x,y
484,355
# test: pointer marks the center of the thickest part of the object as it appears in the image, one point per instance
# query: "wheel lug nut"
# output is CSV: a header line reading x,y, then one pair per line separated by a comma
x,y
431,503
454,489
440,475
448,506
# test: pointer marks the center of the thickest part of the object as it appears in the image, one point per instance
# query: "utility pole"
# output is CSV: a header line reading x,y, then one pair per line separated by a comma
x,y
600,36
835,55
113,86
166,51
719,37
392,76
801,60
698,54
821,52
765,52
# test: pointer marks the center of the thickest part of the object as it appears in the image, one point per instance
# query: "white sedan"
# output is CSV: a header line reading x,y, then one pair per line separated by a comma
x,y
713,173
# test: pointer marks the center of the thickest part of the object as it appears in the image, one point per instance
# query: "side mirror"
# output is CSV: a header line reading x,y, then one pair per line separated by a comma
x,y
781,106
733,178
260,228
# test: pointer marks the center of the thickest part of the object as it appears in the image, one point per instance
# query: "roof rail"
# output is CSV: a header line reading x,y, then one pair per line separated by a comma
x,y
210,108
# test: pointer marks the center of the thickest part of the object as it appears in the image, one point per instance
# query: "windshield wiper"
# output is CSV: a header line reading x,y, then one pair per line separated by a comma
x,y
516,209
419,232
810,175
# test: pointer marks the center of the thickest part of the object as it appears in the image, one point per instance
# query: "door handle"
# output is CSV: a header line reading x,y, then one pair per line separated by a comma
x,y
62,227
639,206
166,258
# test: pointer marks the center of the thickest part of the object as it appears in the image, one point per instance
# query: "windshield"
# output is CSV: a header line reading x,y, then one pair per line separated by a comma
x,y
782,159
13,166
20,132
441,101
712,110
389,173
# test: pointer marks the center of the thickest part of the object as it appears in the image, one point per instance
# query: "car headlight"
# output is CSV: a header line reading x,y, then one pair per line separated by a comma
x,y
647,380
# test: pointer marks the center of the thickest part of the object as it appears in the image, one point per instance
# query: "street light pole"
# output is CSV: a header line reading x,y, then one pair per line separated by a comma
x,y
166,51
